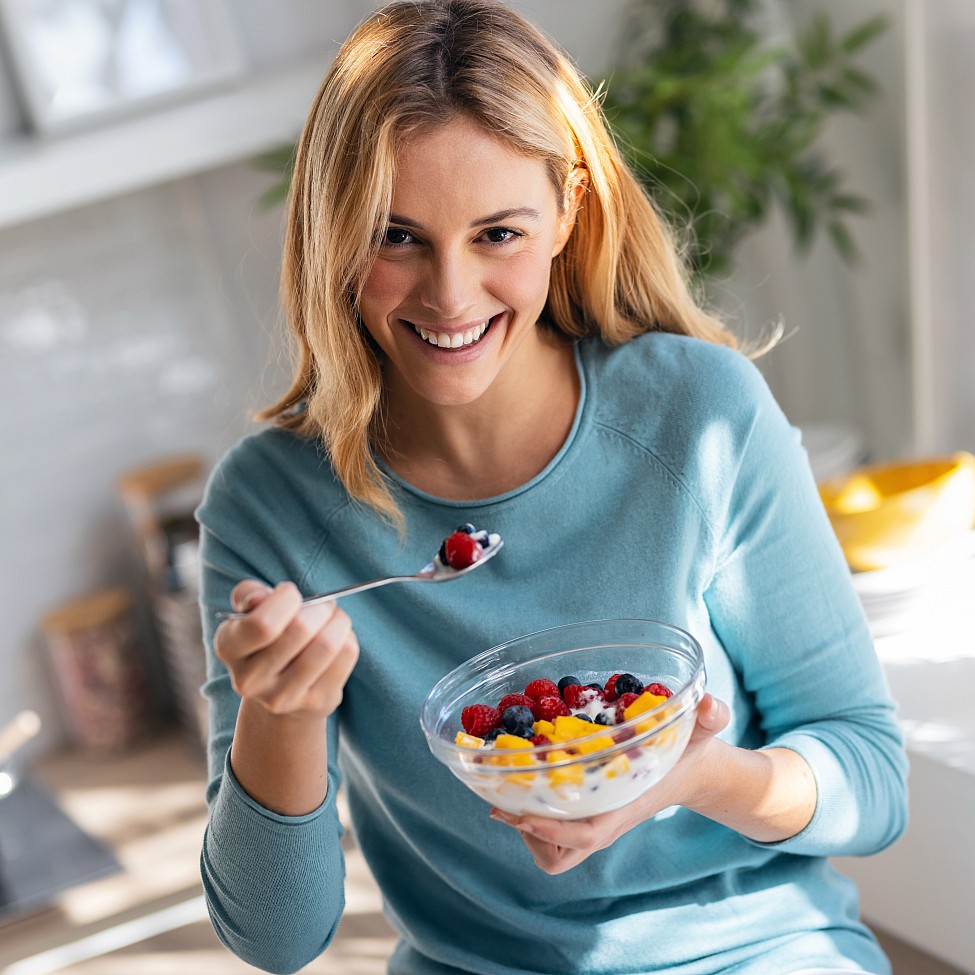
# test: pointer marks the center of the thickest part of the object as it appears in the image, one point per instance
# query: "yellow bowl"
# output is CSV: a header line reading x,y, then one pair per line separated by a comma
x,y
887,513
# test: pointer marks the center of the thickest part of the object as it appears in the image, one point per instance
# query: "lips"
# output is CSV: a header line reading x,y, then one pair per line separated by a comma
x,y
452,340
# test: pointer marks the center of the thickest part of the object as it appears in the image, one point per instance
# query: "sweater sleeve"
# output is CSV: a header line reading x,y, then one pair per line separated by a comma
x,y
274,884
782,602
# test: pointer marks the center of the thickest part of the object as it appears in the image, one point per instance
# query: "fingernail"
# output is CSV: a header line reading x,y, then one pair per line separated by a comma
x,y
501,817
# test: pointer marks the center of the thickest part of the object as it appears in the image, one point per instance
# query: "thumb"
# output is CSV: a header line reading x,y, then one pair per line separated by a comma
x,y
248,595
712,714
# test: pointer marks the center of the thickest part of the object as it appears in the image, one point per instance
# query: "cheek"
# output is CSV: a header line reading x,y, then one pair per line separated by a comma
x,y
525,278
385,287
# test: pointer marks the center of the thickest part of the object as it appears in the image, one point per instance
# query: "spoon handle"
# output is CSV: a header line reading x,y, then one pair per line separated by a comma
x,y
336,593
358,587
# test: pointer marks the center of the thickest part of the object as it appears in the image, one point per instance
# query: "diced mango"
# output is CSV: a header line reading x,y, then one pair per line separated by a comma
x,y
544,728
617,766
594,743
568,775
468,741
557,755
645,702
514,747
521,779
511,741
570,727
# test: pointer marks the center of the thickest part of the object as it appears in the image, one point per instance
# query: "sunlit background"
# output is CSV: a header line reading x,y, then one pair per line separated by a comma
x,y
139,328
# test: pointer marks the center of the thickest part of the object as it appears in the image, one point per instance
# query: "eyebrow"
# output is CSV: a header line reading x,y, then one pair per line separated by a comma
x,y
500,217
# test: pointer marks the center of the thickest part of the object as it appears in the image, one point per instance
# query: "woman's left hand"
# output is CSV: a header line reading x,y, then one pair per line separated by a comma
x,y
558,845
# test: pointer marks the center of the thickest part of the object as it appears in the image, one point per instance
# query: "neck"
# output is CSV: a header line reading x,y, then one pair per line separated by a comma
x,y
493,445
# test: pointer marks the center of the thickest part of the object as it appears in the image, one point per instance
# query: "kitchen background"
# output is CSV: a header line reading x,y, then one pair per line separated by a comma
x,y
138,277
138,308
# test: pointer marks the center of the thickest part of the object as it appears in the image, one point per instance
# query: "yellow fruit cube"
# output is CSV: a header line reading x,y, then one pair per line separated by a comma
x,y
645,702
594,743
521,779
617,766
468,741
511,741
570,775
544,728
568,728
515,748
558,755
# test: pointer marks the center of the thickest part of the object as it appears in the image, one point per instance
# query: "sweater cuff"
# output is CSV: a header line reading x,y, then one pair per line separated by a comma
x,y
239,797
835,822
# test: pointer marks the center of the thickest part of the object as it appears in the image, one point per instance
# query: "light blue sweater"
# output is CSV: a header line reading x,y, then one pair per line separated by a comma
x,y
681,494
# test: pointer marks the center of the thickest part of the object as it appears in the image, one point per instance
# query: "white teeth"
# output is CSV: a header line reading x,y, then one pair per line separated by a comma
x,y
457,340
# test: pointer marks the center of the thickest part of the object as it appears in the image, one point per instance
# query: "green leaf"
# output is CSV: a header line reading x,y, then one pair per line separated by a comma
x,y
721,125
862,35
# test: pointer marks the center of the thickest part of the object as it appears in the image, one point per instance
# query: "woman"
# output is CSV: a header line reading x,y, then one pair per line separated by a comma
x,y
494,327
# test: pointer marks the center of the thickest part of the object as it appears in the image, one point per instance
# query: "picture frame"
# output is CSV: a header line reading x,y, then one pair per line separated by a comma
x,y
82,62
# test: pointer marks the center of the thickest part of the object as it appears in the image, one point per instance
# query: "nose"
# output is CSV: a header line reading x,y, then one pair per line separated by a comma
x,y
449,286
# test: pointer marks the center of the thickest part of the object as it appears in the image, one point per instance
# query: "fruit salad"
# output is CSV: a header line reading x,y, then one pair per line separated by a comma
x,y
571,749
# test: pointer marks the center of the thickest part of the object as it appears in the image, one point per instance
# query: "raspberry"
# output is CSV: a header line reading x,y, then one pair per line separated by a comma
x,y
462,550
566,681
541,740
623,702
659,689
548,708
609,691
479,719
538,689
511,700
577,696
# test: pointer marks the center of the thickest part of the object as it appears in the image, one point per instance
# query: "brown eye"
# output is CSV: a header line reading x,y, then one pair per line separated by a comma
x,y
500,235
397,237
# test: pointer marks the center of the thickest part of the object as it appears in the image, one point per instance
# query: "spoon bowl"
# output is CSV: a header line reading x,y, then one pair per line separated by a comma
x,y
433,571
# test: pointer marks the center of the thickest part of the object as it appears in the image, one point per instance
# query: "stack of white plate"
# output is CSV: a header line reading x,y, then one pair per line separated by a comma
x,y
929,592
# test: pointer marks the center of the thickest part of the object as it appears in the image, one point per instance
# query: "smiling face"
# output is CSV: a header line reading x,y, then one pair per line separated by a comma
x,y
462,275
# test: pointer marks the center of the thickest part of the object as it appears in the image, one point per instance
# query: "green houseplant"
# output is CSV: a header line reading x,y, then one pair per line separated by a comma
x,y
722,123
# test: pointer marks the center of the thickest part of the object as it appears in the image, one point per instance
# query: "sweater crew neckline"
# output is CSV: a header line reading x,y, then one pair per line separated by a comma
x,y
550,468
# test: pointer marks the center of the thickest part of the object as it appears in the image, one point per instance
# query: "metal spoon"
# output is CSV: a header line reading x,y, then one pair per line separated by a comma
x,y
434,571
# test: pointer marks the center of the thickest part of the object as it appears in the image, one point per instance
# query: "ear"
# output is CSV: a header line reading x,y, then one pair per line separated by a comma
x,y
575,192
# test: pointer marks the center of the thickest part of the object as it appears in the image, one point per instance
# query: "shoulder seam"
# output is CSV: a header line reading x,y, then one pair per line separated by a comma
x,y
674,476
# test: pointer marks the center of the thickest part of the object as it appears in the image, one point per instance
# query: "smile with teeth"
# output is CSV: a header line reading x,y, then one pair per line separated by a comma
x,y
455,340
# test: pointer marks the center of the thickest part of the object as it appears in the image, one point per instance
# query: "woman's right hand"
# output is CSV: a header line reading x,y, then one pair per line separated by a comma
x,y
287,658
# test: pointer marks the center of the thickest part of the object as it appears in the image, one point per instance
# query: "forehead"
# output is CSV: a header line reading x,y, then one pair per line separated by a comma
x,y
459,166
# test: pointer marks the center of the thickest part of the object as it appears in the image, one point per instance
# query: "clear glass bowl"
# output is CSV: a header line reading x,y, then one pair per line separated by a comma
x,y
627,758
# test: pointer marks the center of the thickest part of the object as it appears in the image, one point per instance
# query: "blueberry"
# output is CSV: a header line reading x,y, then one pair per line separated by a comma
x,y
602,718
595,687
517,718
442,553
567,682
493,733
582,716
628,684
467,528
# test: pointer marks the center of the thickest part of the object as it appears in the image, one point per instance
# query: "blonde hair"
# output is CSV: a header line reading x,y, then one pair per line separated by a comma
x,y
416,65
